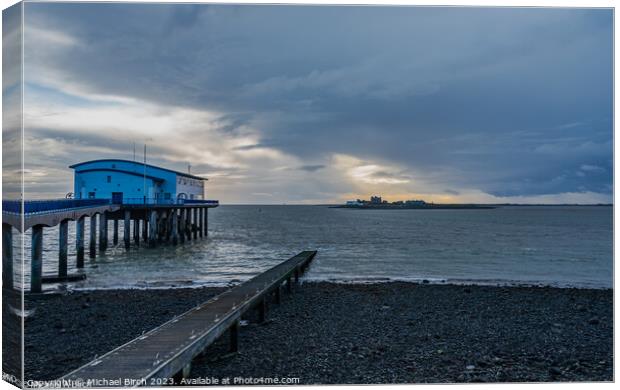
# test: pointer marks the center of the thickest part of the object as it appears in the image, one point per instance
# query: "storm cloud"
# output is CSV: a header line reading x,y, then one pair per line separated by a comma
x,y
313,104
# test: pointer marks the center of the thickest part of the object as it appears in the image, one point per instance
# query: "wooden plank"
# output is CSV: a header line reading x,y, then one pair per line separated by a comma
x,y
167,349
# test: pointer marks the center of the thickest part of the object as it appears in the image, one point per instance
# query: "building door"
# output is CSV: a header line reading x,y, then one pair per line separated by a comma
x,y
117,198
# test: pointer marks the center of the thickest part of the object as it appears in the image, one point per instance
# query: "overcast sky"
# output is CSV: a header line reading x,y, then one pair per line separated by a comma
x,y
308,104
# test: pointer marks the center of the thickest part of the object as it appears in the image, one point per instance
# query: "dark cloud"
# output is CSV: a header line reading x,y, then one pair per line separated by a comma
x,y
510,101
311,168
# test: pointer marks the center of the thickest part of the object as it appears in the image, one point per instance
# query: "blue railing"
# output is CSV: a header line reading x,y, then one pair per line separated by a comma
x,y
49,205
202,201
161,201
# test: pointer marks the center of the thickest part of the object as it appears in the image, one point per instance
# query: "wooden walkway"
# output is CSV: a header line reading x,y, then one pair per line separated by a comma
x,y
169,349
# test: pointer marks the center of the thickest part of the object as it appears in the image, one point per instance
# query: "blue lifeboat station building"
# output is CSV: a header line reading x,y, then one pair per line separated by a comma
x,y
127,182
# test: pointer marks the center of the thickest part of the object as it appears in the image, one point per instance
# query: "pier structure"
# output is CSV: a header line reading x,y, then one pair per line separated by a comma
x,y
168,350
159,220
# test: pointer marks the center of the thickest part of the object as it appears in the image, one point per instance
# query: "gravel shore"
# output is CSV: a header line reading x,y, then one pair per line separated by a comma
x,y
354,333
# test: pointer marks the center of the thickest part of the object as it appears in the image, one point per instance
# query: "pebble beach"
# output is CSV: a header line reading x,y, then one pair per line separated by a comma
x,y
328,333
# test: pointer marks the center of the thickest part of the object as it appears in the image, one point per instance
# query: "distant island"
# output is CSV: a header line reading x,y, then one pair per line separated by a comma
x,y
376,202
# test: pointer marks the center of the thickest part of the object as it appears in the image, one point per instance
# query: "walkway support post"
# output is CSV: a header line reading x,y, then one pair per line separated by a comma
x,y
36,262
7,256
234,337
63,242
195,224
92,253
79,241
262,311
277,294
115,234
103,232
200,221
126,229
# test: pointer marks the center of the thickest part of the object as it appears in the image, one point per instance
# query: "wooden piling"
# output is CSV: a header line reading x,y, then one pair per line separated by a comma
x,y
175,227
7,256
169,225
205,225
126,229
136,231
36,259
195,224
200,221
234,337
93,237
103,232
161,226
262,311
289,287
277,294
115,234
181,226
63,241
79,242
145,227
153,228
296,276
188,223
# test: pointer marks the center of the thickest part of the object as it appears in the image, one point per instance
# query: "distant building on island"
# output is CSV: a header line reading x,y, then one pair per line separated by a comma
x,y
375,200
123,180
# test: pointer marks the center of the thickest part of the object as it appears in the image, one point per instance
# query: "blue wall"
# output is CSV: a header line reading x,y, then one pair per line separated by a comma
x,y
128,177
131,185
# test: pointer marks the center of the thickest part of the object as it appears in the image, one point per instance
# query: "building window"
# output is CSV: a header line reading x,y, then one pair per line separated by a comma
x,y
109,179
91,195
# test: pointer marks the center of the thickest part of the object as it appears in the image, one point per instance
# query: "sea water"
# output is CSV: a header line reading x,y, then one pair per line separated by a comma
x,y
540,245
